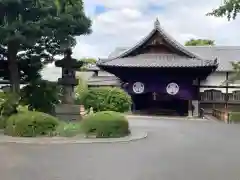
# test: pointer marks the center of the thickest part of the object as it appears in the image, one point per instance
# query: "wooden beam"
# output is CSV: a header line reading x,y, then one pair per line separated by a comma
x,y
218,102
226,95
224,87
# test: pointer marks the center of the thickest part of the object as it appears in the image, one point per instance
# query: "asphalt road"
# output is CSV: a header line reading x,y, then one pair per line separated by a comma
x,y
174,150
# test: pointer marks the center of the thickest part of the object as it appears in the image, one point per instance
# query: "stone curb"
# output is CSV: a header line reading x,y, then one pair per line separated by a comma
x,y
164,117
61,140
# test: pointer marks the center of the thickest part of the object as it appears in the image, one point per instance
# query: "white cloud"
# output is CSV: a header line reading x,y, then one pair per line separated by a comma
x,y
131,14
119,4
128,21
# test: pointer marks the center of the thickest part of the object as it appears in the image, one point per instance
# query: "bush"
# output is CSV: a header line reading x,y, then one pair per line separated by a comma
x,y
2,122
68,129
41,95
107,99
80,90
24,108
234,117
30,124
8,110
8,104
106,124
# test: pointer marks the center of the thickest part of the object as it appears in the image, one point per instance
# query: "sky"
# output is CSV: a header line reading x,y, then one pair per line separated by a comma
x,y
122,23
119,23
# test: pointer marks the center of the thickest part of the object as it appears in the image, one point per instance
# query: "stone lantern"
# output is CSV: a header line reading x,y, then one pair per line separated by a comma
x,y
67,110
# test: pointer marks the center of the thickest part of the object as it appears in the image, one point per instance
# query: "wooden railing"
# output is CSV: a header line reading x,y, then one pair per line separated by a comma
x,y
218,96
221,114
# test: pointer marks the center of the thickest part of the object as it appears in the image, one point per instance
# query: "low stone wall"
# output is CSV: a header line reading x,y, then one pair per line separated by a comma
x,y
68,112
221,114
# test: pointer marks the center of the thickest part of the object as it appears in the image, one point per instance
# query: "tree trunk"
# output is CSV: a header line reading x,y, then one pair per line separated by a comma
x,y
13,67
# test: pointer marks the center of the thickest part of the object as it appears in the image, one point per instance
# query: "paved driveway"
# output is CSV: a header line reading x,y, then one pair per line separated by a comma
x,y
174,150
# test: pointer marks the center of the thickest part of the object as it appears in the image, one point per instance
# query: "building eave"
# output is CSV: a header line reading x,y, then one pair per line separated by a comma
x,y
157,61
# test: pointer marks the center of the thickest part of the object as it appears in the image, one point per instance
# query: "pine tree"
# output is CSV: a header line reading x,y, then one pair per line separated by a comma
x,y
32,32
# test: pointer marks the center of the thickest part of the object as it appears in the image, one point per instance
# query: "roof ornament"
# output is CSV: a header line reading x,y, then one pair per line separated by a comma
x,y
157,24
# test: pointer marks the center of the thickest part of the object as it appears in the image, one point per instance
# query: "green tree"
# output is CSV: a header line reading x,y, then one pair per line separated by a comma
x,y
229,9
87,62
200,42
235,76
32,32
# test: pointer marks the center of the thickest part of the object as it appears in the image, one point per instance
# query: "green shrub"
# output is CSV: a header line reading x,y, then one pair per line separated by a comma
x,y
8,104
23,108
2,122
107,99
31,124
234,117
2,96
41,95
80,90
68,129
105,124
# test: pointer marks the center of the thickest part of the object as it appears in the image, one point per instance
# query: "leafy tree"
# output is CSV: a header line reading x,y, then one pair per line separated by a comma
x,y
87,62
32,32
229,9
236,73
200,42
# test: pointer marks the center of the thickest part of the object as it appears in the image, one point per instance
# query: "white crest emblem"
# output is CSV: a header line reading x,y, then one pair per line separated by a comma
x,y
138,87
172,88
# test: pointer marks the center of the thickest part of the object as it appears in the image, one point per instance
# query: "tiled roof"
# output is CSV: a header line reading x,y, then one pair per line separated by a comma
x,y
184,57
103,81
224,54
157,60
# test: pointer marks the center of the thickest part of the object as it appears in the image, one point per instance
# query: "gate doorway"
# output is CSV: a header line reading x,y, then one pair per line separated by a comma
x,y
160,104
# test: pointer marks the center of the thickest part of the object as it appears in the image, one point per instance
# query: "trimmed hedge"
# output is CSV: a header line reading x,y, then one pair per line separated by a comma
x,y
106,124
234,117
107,99
31,124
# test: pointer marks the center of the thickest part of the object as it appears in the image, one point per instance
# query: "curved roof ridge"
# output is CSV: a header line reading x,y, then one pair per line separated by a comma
x,y
137,45
166,36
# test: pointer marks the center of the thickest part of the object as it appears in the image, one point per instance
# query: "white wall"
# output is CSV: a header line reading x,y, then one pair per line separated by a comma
x,y
218,79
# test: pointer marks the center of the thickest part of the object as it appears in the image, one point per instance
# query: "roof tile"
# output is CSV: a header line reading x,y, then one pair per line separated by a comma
x,y
224,54
157,60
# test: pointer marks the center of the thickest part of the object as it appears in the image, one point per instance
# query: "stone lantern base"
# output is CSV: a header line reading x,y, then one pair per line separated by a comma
x,y
68,112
